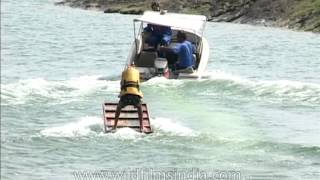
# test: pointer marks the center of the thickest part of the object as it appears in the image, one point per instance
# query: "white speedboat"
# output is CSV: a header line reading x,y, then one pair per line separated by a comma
x,y
148,61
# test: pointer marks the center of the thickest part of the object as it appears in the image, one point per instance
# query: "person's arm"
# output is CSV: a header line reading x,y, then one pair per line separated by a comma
x,y
121,84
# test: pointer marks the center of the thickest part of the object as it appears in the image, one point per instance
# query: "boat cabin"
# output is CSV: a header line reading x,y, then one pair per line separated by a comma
x,y
148,60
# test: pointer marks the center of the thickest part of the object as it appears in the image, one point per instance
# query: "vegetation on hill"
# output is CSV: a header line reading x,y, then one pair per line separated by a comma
x,y
294,14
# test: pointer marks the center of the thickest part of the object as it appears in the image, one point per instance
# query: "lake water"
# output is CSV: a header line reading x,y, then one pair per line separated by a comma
x,y
258,114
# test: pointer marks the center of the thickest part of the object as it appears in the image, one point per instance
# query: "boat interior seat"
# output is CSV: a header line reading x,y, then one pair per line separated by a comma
x,y
145,46
146,59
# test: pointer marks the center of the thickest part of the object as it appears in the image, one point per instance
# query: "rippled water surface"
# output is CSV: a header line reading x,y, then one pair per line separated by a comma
x,y
258,113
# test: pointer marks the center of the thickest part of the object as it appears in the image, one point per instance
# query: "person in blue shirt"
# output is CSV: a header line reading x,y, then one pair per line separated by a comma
x,y
159,35
185,50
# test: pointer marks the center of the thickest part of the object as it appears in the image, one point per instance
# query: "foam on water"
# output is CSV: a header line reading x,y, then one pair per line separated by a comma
x,y
168,126
160,127
86,126
23,90
270,90
85,84
281,89
73,129
124,133
163,82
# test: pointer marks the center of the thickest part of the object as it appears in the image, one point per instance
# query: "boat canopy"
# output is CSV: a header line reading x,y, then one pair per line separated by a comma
x,y
190,23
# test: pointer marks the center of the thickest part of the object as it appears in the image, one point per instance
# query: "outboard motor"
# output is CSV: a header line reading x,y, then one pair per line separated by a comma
x,y
161,66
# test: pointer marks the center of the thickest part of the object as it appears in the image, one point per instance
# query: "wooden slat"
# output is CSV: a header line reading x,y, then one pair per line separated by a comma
x,y
113,106
125,115
128,117
127,108
147,130
126,123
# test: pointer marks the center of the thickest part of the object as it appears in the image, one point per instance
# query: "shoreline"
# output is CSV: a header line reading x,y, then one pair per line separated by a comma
x,y
295,15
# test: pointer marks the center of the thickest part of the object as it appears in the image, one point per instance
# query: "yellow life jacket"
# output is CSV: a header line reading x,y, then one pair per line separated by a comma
x,y
130,82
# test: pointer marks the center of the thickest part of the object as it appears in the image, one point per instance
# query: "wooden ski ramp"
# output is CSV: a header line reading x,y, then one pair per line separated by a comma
x,y
128,117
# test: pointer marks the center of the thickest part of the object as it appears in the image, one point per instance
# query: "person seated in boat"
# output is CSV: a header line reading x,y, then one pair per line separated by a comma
x,y
158,35
185,52
130,93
